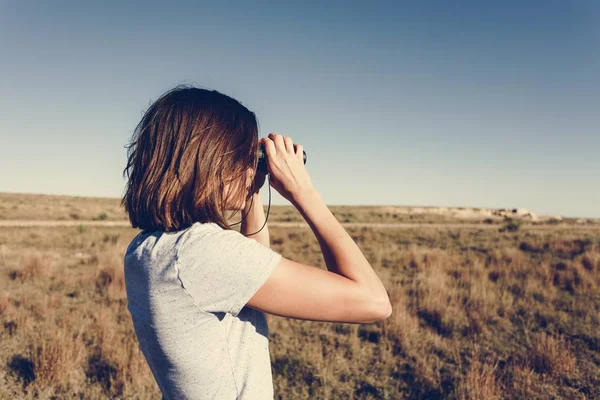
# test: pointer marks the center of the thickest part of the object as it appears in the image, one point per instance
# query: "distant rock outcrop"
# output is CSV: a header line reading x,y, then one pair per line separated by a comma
x,y
521,213
471,213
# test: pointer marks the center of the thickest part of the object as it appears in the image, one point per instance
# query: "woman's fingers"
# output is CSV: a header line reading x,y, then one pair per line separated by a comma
x,y
298,150
281,143
278,139
289,144
270,148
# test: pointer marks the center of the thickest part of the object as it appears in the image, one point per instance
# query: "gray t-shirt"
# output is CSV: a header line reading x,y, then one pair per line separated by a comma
x,y
186,294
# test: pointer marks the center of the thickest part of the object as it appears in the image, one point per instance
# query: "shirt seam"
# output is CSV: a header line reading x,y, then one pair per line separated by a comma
x,y
184,236
263,274
182,239
237,391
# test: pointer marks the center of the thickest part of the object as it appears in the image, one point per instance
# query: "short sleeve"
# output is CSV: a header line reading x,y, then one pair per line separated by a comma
x,y
222,269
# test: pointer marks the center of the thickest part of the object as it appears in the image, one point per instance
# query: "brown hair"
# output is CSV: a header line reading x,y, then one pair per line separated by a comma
x,y
188,145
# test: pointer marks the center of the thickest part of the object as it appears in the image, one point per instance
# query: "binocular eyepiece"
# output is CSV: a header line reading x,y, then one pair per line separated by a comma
x,y
262,158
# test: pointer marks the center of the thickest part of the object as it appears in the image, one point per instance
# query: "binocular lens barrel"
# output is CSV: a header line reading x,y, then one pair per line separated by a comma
x,y
262,158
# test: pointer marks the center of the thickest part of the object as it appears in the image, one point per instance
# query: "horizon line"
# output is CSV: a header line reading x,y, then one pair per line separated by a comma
x,y
335,205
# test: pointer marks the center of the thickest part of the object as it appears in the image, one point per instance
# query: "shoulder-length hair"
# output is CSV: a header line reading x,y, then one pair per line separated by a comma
x,y
189,144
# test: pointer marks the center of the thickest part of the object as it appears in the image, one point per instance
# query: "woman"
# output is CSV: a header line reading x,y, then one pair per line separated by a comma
x,y
197,290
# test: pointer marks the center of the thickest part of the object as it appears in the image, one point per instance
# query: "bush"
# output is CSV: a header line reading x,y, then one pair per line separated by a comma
x,y
511,226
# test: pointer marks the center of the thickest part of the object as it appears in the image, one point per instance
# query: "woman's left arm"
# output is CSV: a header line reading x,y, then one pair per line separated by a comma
x,y
255,220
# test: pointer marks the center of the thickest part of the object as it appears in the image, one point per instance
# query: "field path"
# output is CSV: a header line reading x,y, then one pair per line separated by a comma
x,y
125,224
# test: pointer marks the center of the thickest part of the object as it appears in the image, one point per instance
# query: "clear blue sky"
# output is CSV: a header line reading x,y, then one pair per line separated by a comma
x,y
474,104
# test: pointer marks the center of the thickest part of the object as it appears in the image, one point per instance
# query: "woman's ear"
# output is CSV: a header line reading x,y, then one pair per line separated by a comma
x,y
249,177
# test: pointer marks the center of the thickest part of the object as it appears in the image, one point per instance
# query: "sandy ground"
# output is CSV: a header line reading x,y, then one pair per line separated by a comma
x,y
57,223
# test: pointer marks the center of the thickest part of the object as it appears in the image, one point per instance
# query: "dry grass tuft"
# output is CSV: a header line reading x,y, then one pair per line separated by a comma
x,y
480,382
552,355
32,266
56,358
110,279
523,381
4,303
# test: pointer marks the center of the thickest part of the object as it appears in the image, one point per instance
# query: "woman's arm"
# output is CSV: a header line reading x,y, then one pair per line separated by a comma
x,y
255,220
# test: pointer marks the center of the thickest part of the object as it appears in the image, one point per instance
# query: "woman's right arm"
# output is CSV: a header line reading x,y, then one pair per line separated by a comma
x,y
348,291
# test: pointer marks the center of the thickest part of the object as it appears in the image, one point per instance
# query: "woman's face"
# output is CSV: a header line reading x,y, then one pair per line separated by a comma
x,y
231,189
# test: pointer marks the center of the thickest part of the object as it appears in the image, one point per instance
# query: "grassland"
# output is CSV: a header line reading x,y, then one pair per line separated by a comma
x,y
500,310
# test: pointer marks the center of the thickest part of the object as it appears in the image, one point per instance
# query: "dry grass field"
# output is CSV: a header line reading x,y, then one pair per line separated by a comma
x,y
495,311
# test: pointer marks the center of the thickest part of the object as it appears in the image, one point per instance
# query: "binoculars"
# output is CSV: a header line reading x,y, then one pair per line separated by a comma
x,y
262,159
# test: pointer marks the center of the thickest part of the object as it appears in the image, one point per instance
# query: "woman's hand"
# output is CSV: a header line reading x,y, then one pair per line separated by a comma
x,y
285,161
